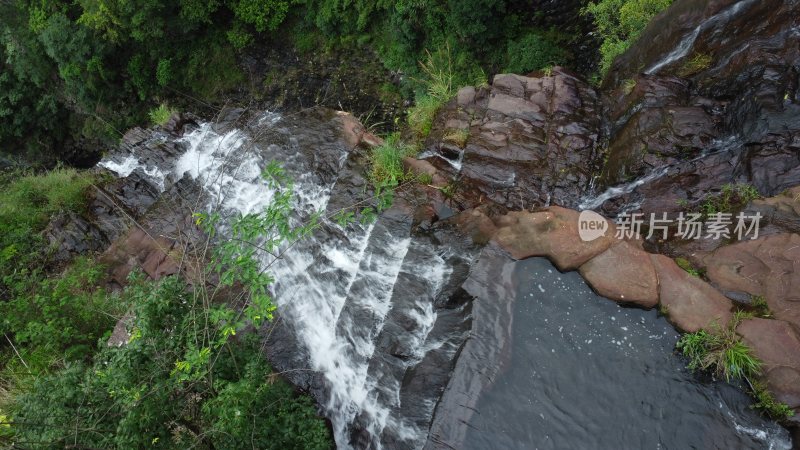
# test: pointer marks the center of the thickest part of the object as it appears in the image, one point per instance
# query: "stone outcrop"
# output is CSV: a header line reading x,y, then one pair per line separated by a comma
x,y
768,267
710,90
617,269
552,233
690,303
777,344
531,141
623,273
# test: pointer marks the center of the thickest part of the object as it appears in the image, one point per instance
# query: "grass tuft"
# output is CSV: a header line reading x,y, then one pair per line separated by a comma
x,y
684,264
767,404
720,350
730,198
458,137
421,115
698,62
387,161
161,114
760,306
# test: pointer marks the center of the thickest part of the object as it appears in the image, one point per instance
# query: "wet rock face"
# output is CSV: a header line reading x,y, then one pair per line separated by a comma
x,y
531,141
711,91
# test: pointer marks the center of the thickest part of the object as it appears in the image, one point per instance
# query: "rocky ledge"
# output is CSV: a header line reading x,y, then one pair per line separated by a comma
x,y
706,101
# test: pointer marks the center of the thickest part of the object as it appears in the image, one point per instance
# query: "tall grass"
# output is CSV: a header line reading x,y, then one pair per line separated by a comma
x,y
720,350
29,200
387,161
440,82
438,76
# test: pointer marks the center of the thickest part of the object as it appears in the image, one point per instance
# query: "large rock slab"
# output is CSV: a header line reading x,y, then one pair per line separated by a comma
x,y
690,303
769,267
777,344
623,273
552,233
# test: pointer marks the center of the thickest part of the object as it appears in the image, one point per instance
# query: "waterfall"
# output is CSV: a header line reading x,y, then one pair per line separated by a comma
x,y
334,289
687,43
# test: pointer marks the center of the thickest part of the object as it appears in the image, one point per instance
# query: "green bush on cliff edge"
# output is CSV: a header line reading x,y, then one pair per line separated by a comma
x,y
620,22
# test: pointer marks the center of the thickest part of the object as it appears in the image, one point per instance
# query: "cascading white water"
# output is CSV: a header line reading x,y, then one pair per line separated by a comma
x,y
335,290
728,144
685,46
616,191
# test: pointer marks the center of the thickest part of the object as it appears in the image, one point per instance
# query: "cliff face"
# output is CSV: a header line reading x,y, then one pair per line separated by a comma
x,y
707,97
705,101
711,90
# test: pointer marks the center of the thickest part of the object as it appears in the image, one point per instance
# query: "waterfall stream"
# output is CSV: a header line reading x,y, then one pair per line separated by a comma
x,y
685,46
378,312
336,289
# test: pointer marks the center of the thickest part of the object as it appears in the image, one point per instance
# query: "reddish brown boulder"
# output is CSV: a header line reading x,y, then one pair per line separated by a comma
x,y
421,167
532,140
475,224
139,249
554,234
623,273
777,344
691,304
354,133
768,266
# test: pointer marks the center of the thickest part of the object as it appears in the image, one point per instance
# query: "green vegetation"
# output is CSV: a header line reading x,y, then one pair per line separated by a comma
x,y
421,115
387,161
684,264
731,197
191,373
65,65
84,71
720,350
458,137
27,202
697,63
760,306
167,388
766,403
620,22
439,86
160,115
531,52
628,85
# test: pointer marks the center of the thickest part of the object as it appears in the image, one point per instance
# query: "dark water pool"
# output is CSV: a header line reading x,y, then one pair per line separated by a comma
x,y
582,372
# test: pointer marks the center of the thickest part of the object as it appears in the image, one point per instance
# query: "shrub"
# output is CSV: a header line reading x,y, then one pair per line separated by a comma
x,y
165,389
532,52
620,22
160,114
